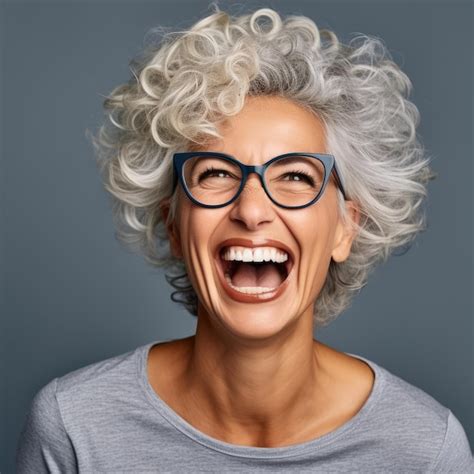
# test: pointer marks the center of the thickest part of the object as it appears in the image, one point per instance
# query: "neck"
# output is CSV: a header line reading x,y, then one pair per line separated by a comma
x,y
256,392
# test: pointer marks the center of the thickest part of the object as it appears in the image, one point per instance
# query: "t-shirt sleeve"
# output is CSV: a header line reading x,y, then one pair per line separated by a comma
x,y
44,445
455,454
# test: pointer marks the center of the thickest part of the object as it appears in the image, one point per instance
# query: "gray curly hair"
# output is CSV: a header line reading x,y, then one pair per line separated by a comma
x,y
184,85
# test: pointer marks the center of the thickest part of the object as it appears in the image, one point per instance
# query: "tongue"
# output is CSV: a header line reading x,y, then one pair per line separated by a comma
x,y
265,275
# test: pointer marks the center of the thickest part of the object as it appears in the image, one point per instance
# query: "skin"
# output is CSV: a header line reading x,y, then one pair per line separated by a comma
x,y
253,374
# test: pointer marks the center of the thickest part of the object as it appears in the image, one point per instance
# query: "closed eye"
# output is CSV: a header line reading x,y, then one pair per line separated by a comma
x,y
215,173
302,176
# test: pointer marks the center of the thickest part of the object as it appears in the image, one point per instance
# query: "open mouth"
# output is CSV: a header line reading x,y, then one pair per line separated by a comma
x,y
254,279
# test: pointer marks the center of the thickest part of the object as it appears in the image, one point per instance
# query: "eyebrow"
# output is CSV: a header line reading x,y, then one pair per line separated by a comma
x,y
279,162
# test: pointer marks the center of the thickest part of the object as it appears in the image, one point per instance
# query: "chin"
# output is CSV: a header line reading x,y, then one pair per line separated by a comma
x,y
255,322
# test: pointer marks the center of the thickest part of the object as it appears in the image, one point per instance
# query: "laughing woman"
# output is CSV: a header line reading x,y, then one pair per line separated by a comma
x,y
281,167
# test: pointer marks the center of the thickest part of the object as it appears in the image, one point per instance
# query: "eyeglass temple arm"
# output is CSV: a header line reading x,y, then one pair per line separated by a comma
x,y
337,175
175,178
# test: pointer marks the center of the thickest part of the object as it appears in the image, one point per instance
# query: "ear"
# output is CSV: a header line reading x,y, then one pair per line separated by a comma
x,y
171,228
344,234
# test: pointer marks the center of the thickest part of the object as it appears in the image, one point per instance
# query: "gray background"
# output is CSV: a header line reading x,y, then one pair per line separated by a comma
x,y
72,296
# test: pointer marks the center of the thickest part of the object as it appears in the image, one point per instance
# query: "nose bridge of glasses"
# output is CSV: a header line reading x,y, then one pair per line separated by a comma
x,y
253,169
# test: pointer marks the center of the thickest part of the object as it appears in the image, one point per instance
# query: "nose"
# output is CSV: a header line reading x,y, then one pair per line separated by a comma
x,y
253,207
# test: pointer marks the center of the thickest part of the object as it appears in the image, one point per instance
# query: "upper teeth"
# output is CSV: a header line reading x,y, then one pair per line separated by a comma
x,y
258,254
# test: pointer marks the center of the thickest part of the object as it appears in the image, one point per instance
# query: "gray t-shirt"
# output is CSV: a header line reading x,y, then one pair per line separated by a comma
x,y
106,417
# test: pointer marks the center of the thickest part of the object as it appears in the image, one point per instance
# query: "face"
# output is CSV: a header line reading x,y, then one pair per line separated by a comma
x,y
311,236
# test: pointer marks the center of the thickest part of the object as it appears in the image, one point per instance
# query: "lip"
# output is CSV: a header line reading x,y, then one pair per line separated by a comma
x,y
254,243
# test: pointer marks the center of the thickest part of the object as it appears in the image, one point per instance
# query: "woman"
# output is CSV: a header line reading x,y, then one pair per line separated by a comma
x,y
280,166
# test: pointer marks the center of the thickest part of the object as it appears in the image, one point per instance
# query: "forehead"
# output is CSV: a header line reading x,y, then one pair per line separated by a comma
x,y
267,126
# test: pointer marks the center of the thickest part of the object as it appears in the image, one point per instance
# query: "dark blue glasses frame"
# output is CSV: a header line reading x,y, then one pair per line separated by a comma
x,y
328,162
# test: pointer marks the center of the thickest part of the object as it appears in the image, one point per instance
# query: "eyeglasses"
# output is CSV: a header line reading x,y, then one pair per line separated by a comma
x,y
292,181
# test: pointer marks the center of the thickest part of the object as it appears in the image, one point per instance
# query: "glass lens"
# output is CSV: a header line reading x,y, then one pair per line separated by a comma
x,y
295,180
211,180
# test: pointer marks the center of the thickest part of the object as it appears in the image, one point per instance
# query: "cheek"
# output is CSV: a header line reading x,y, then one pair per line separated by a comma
x,y
315,228
198,226
314,233
194,234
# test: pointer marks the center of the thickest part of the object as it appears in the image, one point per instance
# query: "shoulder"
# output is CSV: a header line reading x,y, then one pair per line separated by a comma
x,y
100,372
45,442
420,426
85,389
455,454
96,390
44,417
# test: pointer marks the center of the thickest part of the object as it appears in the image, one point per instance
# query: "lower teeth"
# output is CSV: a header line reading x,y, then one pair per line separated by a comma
x,y
252,290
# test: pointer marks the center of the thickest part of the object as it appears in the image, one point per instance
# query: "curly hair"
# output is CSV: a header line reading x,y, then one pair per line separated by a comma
x,y
185,84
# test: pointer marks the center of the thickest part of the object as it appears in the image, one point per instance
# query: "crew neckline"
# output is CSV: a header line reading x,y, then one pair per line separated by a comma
x,y
243,451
